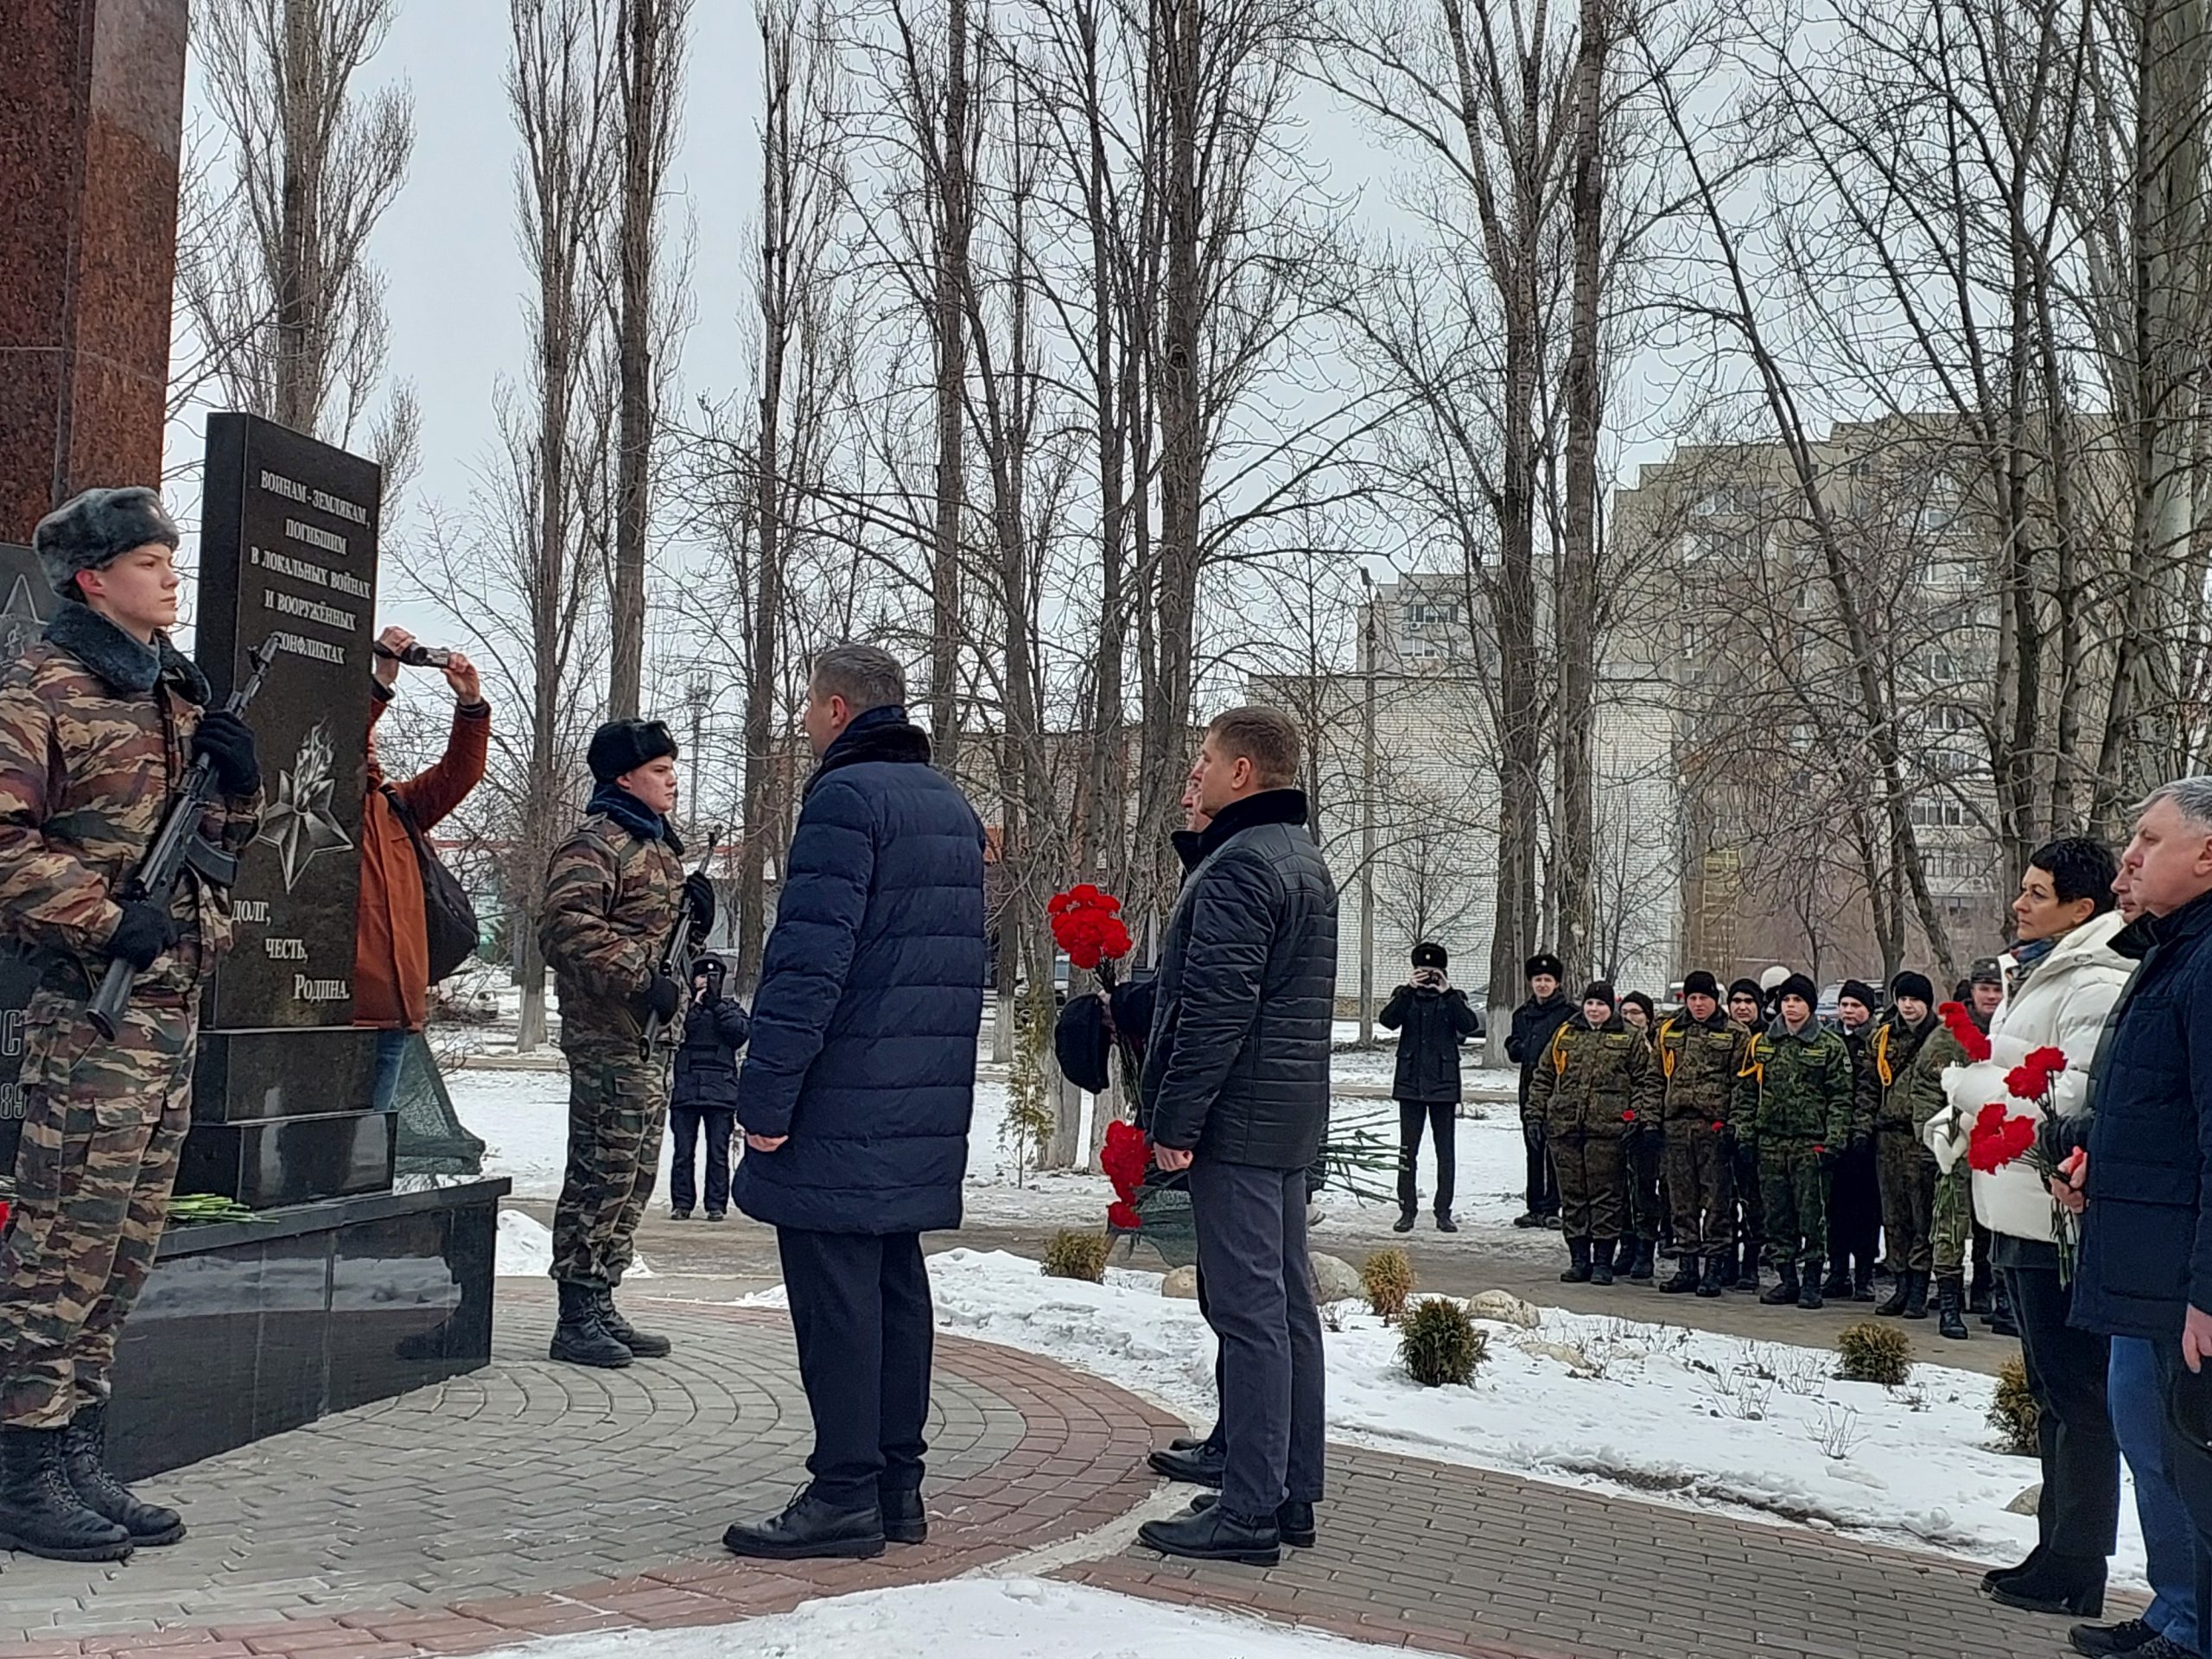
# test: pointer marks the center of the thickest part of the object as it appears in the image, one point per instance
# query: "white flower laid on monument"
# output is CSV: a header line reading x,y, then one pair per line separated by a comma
x,y
299,823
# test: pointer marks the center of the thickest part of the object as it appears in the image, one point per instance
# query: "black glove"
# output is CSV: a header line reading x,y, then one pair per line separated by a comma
x,y
142,934
664,996
227,742
699,894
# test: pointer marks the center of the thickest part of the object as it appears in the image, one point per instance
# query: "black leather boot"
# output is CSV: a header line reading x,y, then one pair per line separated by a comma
x,y
1445,1223
2068,1585
1838,1283
1916,1297
1404,1224
1747,1270
40,1513
1900,1294
1214,1534
810,1529
640,1342
906,1519
1809,1298
1980,1288
2002,1322
1578,1266
1601,1261
1950,1301
1685,1278
1716,1276
1786,1288
579,1338
84,1458
1862,1282
1646,1261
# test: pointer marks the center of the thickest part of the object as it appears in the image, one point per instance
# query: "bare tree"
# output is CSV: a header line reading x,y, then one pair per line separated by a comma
x,y
281,291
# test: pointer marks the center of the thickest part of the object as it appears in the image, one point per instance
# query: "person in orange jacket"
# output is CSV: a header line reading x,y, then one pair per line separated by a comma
x,y
391,960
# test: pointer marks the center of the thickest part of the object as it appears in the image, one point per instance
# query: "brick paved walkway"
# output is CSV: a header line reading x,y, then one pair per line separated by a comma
x,y
533,1499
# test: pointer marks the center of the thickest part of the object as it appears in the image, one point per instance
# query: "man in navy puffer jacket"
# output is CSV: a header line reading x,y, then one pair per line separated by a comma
x,y
855,1097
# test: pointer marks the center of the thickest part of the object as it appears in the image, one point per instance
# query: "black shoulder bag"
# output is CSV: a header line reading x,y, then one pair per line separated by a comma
x,y
449,918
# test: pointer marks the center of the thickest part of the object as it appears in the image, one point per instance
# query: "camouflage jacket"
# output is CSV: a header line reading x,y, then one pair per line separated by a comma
x,y
1801,1086
1925,1082
611,898
1598,1080
95,740
1894,1068
1700,1060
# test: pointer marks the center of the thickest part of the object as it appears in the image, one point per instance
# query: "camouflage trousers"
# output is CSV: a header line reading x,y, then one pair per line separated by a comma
x,y
103,1122
1953,1219
618,1108
1592,1185
1702,1188
1644,1155
1907,1171
1794,1192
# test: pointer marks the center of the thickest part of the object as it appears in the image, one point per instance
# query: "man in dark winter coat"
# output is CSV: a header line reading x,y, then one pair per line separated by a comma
x,y
1534,1023
2146,1264
1237,1090
855,1097
1432,1017
705,1096
1854,1190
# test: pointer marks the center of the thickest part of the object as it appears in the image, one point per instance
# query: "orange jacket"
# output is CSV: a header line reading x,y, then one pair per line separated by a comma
x,y
392,955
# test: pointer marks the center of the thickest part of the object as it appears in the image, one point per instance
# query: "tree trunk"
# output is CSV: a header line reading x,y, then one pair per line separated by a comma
x,y
955,217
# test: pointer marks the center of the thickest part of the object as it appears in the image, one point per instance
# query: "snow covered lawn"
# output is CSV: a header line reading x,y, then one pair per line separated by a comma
x,y
1614,1404
973,1619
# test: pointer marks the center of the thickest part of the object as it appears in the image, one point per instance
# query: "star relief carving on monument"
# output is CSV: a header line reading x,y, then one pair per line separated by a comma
x,y
299,824
20,624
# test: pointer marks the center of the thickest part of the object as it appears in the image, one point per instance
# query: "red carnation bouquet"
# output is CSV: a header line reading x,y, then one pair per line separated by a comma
x,y
1959,1023
2001,1136
1087,925
1124,1158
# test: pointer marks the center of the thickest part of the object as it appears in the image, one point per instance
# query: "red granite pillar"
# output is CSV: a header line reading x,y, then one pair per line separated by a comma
x,y
91,128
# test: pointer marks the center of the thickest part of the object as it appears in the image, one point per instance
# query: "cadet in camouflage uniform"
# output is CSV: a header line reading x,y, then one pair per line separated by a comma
x,y
1700,1050
1746,1007
100,722
1594,1084
1801,1107
1954,1207
1898,1072
613,894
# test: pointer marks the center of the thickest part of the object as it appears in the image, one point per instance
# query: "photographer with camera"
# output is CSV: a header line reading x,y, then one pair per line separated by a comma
x,y
391,961
705,1097
1432,1017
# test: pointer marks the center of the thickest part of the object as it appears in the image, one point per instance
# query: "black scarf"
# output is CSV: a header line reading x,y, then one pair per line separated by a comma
x,y
1269,806
117,658
627,809
882,733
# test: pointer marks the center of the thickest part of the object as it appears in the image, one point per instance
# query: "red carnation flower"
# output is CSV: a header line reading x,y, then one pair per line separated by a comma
x,y
1123,1216
1960,1025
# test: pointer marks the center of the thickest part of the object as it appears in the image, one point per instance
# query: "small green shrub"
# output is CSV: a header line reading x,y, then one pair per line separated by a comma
x,y
1440,1345
1874,1353
2013,1413
1387,1277
1077,1255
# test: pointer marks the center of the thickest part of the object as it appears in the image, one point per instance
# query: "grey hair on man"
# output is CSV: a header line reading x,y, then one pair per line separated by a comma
x,y
2192,798
866,676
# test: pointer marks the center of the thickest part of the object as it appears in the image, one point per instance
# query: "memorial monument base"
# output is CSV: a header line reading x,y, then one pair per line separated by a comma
x,y
247,1329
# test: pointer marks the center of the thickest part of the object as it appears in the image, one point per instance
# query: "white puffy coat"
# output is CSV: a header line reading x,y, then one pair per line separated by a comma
x,y
2062,1005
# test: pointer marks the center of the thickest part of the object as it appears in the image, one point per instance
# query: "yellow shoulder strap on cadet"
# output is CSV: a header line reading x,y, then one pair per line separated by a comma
x,y
1753,1066
1667,1054
1559,1050
1882,1054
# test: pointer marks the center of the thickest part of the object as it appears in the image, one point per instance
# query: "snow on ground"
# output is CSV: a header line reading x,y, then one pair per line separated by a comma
x,y
1612,1404
525,1248
974,1618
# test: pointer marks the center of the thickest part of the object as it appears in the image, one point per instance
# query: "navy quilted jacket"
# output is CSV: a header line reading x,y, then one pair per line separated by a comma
x,y
864,1026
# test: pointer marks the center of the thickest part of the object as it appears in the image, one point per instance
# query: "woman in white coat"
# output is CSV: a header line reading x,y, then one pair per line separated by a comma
x,y
2062,980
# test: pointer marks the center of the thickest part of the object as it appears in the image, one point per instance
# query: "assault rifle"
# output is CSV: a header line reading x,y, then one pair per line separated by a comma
x,y
178,845
680,950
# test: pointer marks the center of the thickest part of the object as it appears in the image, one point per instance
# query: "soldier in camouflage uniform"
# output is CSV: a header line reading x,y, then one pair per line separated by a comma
x,y
1595,1083
1700,1050
613,894
1801,1111
1746,1007
1954,1208
1897,1068
100,722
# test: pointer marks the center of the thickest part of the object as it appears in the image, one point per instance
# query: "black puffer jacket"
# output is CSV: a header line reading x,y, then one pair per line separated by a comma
x,y
1431,1024
1238,1067
706,1064
1533,1026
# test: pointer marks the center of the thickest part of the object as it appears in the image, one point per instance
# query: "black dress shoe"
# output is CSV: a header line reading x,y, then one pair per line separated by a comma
x,y
1996,1575
1214,1534
1293,1520
2098,1640
2068,1585
808,1529
1197,1467
905,1521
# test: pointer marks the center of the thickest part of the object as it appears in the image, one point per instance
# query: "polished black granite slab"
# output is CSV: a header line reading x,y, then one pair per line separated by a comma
x,y
250,1076
290,1160
246,1329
